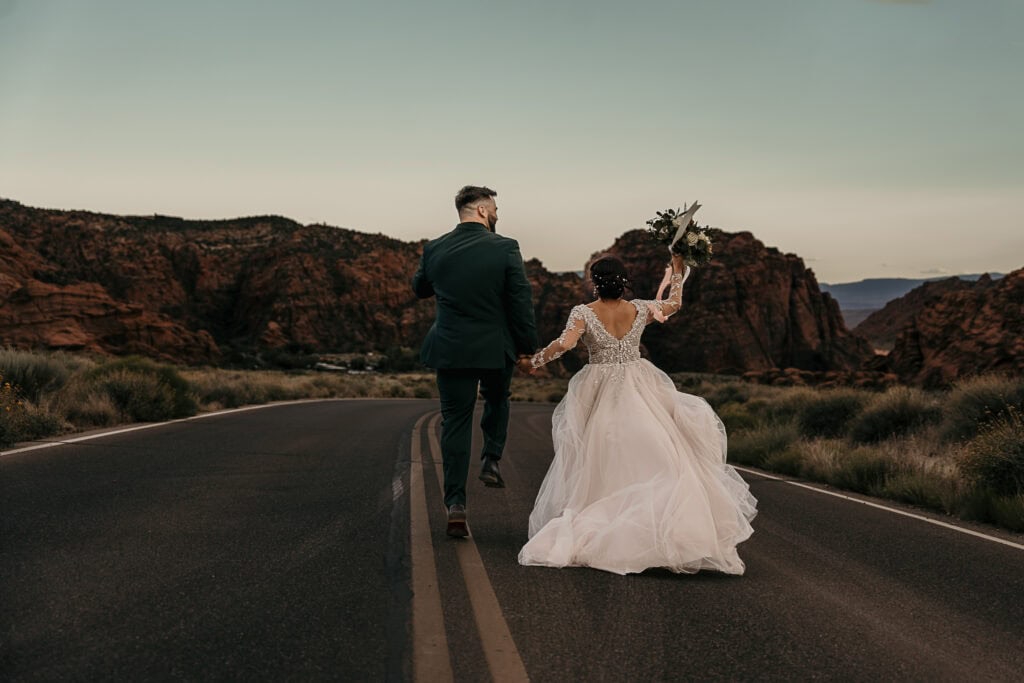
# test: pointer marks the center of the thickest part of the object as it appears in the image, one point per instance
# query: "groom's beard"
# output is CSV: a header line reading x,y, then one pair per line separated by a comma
x,y
491,222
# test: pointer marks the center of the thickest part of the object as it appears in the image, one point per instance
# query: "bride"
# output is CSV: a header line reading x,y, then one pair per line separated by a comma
x,y
639,477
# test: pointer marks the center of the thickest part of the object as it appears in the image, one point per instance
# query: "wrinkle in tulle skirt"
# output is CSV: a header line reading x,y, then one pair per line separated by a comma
x,y
639,479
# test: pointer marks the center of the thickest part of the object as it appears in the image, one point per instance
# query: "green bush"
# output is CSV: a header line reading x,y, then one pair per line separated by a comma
x,y
143,390
897,412
21,420
925,489
396,390
863,470
733,392
994,459
781,405
830,414
35,373
736,417
1008,511
978,401
87,407
755,446
789,461
399,359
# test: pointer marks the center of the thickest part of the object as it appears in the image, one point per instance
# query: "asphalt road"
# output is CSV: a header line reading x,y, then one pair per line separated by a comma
x,y
275,544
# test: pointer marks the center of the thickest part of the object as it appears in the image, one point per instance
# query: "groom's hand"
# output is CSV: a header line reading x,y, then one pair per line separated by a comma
x,y
524,365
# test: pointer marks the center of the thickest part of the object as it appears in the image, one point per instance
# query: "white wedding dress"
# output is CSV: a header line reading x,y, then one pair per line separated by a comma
x,y
639,477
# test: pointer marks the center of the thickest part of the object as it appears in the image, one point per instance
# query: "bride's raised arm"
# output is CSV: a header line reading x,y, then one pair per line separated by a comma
x,y
574,329
661,309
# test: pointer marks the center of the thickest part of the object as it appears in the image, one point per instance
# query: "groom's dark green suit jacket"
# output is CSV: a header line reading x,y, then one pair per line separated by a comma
x,y
484,316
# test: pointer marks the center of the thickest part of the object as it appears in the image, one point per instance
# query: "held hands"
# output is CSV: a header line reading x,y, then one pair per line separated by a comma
x,y
525,366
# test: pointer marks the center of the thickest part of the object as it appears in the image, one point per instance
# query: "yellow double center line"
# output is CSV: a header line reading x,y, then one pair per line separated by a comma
x,y
431,659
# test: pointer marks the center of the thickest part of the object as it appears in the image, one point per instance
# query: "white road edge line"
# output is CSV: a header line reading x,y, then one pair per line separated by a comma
x,y
500,650
430,658
150,425
936,522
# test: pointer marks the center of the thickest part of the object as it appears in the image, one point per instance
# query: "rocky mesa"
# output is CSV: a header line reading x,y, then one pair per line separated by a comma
x,y
972,328
197,291
752,308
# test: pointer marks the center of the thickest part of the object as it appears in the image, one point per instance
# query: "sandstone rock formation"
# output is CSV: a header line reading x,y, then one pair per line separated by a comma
x,y
971,329
188,291
752,308
202,291
883,326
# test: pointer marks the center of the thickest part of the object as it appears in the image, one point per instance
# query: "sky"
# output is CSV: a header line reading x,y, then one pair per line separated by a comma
x,y
872,138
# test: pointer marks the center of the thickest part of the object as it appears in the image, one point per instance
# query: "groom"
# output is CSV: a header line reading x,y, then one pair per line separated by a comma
x,y
483,326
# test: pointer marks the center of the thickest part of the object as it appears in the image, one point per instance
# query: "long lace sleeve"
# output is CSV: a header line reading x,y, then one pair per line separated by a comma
x,y
574,329
661,309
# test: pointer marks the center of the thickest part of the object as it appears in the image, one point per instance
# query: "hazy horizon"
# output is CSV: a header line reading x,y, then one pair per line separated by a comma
x,y
871,138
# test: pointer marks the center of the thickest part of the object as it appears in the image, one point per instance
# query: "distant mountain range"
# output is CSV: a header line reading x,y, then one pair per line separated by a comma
x,y
875,293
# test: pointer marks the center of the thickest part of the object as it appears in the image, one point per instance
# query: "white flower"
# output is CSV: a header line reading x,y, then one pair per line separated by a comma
x,y
691,238
676,223
703,238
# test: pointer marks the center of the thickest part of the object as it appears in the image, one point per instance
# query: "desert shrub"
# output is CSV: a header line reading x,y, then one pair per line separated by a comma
x,y
294,356
1008,511
138,396
21,420
11,407
399,359
35,373
994,459
978,401
754,446
234,389
38,423
423,392
86,407
357,363
790,403
143,390
734,392
927,489
687,380
396,390
830,413
736,417
862,469
788,461
897,412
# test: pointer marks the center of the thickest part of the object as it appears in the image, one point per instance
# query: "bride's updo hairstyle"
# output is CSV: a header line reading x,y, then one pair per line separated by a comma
x,y
609,277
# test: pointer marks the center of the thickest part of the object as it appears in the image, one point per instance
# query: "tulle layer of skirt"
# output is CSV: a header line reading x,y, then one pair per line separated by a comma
x,y
639,479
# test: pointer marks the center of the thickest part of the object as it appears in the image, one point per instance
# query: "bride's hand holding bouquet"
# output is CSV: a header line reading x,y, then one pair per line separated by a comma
x,y
680,233
688,244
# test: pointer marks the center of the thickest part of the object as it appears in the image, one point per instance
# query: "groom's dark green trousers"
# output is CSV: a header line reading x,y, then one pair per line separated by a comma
x,y
483,321
458,388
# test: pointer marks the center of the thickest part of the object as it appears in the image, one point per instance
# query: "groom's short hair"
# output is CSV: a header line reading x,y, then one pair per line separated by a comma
x,y
471,194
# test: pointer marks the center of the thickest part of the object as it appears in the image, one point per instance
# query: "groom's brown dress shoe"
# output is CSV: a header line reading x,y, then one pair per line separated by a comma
x,y
457,521
490,475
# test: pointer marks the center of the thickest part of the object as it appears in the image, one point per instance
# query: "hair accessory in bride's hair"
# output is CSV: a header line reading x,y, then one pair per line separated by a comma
x,y
609,277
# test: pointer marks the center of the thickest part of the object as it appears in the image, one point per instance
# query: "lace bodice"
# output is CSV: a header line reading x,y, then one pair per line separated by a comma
x,y
604,348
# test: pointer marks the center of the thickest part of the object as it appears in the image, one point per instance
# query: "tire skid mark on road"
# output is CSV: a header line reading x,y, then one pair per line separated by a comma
x,y
430,658
499,648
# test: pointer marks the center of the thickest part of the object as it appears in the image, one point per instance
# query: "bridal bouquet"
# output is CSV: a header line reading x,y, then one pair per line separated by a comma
x,y
680,233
